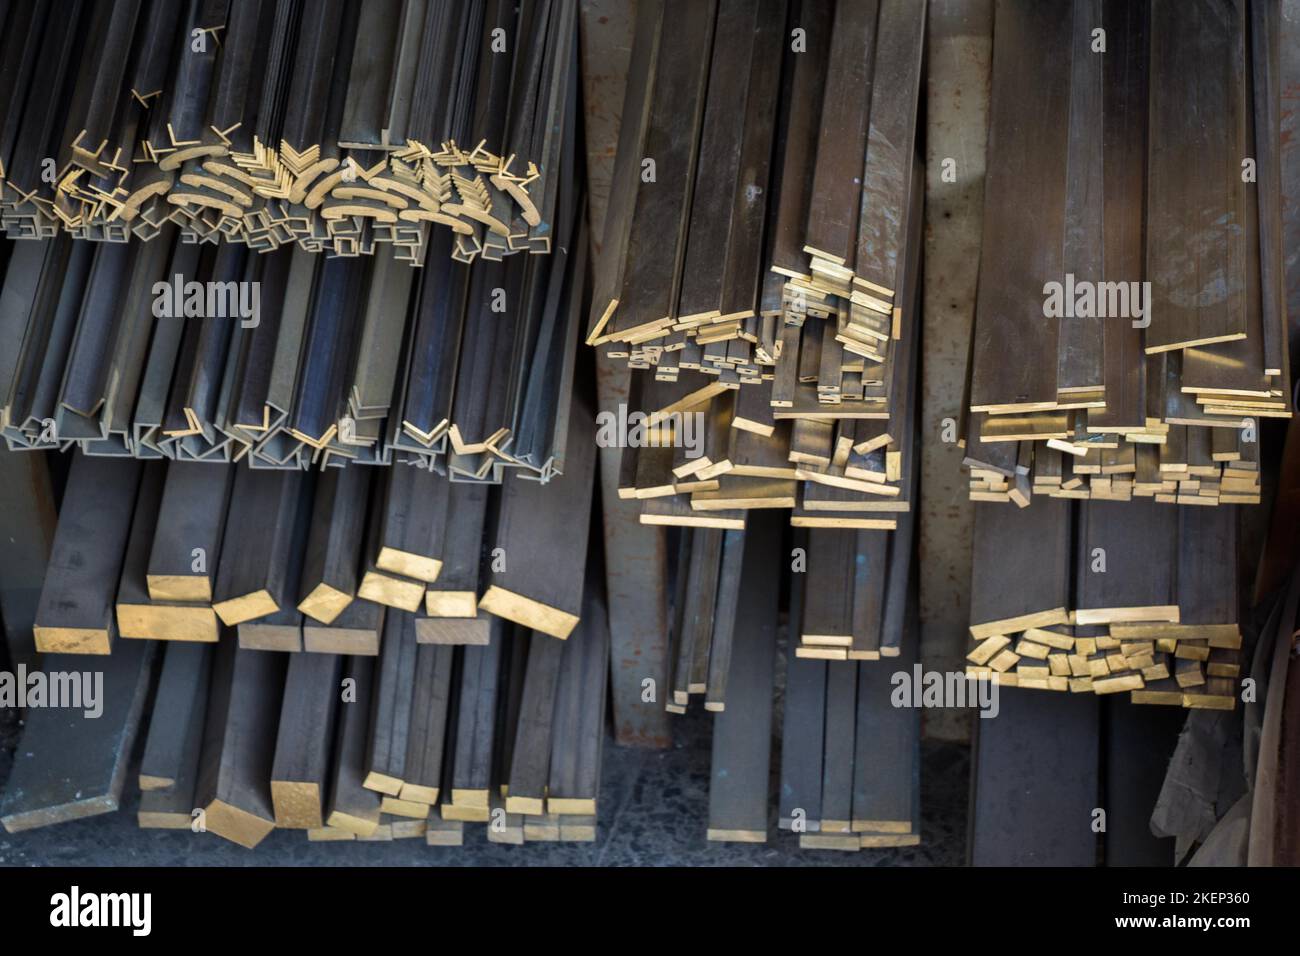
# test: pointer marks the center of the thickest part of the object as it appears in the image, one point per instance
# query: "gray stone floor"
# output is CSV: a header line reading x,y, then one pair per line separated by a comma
x,y
654,807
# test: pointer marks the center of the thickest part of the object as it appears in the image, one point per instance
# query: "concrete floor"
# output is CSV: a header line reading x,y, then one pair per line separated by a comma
x,y
654,808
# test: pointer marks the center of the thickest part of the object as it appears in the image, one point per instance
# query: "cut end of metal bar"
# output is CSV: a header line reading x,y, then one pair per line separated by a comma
x,y
382,783
159,622
419,794
416,566
451,604
246,607
528,612
391,592
179,587
236,825
73,640
297,804
324,603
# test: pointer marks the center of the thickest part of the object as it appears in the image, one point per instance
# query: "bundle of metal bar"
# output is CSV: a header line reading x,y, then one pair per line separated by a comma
x,y
338,127
850,757
294,562
853,609
856,610
703,624
424,734
772,196
1043,757
507,733
417,743
291,360
1129,329
699,454
1152,609
820,426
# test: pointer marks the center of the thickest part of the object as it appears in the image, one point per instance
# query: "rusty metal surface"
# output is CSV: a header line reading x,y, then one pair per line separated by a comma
x,y
606,28
957,104
635,567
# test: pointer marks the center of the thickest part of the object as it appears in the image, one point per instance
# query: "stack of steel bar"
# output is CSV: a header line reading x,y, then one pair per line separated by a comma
x,y
295,562
853,611
414,743
1100,761
850,755
704,627
1130,325
1152,610
429,611
850,758
728,181
727,207
290,359
339,126
771,195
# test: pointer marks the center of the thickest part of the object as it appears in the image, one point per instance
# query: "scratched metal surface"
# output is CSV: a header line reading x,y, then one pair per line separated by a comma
x,y
957,105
